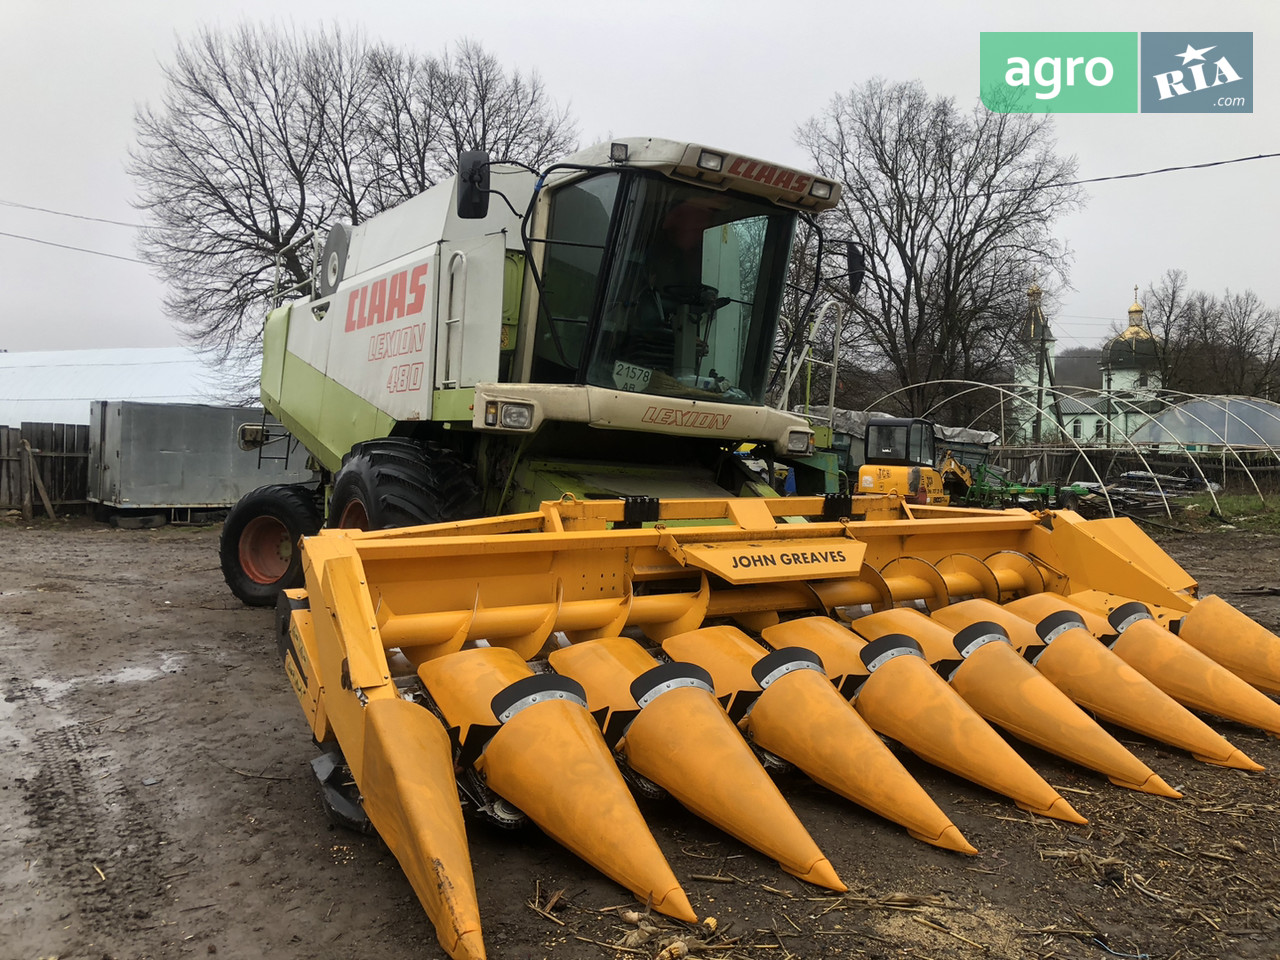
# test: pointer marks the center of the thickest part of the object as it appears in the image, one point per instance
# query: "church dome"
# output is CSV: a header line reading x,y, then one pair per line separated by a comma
x,y
1134,348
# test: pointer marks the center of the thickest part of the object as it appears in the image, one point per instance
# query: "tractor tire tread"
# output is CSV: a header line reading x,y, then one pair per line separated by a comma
x,y
404,483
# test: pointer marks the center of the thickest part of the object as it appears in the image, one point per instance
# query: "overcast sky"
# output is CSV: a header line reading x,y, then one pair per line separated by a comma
x,y
738,75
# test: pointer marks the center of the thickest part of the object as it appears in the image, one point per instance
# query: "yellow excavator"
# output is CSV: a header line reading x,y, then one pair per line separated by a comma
x,y
901,456
543,583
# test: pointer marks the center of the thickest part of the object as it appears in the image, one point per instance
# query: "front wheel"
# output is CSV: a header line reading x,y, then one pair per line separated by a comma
x,y
394,482
259,544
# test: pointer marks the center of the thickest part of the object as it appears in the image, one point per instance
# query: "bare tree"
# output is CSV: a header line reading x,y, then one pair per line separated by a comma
x,y
226,166
1234,343
510,117
410,132
1210,344
431,109
955,212
1168,315
337,68
264,135
1253,330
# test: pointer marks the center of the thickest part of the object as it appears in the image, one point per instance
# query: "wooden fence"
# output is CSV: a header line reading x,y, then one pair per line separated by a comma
x,y
60,454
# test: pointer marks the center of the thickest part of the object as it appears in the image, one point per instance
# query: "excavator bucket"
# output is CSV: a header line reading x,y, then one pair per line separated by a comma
x,y
1059,646
674,732
895,690
981,665
471,666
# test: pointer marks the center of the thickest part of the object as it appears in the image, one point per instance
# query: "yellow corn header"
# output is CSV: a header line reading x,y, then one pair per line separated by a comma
x,y
545,665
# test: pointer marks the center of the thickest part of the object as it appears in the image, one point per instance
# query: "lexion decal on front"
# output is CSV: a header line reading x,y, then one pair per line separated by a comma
x,y
671,417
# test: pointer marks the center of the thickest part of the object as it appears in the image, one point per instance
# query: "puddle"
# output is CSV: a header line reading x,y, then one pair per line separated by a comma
x,y
51,690
169,663
54,690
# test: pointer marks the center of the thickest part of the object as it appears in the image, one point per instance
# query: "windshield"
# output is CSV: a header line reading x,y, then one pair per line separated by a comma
x,y
899,441
688,299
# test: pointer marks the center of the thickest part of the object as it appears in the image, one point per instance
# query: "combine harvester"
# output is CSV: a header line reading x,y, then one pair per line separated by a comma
x,y
548,580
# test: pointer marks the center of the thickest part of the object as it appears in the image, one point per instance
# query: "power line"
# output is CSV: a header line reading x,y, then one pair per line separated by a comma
x,y
1135,176
137,226
1187,166
64,246
76,216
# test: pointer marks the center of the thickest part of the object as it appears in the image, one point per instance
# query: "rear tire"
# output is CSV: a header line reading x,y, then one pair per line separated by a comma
x,y
259,544
393,482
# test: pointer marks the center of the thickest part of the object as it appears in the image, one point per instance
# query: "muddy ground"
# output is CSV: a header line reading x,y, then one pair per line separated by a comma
x,y
158,803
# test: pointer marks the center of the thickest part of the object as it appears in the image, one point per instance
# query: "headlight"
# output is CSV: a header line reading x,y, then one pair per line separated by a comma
x,y
517,416
799,442
710,161
821,190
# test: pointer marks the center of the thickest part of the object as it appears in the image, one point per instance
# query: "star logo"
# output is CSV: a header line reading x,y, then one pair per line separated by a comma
x,y
1191,53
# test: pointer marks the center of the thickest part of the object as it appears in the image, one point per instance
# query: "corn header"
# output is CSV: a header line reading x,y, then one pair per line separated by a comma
x,y
548,665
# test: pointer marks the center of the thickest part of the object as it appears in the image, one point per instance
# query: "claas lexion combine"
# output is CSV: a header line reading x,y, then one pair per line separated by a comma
x,y
548,581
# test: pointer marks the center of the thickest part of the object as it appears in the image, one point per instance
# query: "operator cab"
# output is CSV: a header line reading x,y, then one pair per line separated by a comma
x,y
655,286
900,442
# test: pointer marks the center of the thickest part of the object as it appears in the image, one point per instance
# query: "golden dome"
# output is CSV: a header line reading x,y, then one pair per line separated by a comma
x,y
1137,330
1134,347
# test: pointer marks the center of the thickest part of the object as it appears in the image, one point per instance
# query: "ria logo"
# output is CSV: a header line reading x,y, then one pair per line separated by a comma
x,y
1197,72
1171,84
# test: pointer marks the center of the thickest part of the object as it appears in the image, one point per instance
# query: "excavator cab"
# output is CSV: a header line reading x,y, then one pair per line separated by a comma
x,y
900,442
901,457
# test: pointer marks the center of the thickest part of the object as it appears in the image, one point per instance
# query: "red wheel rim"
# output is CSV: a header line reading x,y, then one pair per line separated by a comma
x,y
266,549
354,516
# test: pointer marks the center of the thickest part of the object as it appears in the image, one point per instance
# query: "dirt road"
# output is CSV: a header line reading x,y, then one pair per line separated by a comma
x,y
158,803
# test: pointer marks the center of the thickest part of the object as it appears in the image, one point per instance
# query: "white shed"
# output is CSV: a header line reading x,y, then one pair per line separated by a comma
x,y
57,386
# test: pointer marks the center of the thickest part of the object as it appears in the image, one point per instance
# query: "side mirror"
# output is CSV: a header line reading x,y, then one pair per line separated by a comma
x,y
857,267
473,185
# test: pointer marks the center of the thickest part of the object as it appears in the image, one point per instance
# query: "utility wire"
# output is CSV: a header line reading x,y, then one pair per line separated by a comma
x,y
64,246
76,216
1187,166
137,226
